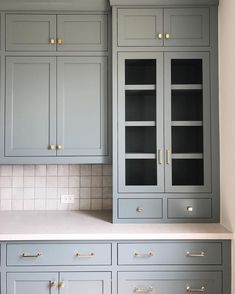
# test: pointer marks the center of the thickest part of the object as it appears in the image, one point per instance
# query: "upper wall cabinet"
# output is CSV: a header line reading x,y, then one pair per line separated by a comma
x,y
51,32
163,27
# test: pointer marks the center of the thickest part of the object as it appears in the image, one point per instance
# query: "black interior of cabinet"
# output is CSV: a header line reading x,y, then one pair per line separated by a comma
x,y
187,172
186,105
186,71
140,105
140,72
141,139
141,172
187,139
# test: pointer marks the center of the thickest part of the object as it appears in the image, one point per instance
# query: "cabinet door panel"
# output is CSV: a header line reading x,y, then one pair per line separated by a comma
x,y
187,26
85,282
82,106
82,32
30,32
30,106
140,27
37,283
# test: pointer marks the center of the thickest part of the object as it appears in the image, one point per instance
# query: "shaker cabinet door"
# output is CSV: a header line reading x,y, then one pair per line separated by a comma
x,y
30,32
82,106
30,106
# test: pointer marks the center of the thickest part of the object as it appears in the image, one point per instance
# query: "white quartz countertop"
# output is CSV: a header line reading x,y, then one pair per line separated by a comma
x,y
97,226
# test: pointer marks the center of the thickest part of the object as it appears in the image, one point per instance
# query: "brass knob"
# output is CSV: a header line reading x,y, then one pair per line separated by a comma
x,y
62,285
59,147
159,36
52,147
53,284
140,209
167,36
59,41
52,41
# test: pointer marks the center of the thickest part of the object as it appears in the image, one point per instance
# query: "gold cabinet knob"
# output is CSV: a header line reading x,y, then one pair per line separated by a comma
x,y
59,147
62,284
167,36
53,284
159,36
52,41
52,147
140,209
59,41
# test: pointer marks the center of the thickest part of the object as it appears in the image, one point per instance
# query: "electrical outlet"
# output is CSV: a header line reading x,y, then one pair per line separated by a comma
x,y
67,199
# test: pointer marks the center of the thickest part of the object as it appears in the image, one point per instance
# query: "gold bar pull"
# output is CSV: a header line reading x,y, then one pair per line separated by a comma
x,y
31,255
59,41
149,254
167,36
159,36
168,156
92,254
202,289
62,284
160,160
195,254
52,41
143,290
53,284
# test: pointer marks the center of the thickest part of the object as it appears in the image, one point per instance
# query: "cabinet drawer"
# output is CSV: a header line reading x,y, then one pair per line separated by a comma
x,y
187,253
58,254
140,208
189,208
30,32
169,282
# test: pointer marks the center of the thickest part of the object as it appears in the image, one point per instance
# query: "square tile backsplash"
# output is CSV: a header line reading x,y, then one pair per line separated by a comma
x,y
39,187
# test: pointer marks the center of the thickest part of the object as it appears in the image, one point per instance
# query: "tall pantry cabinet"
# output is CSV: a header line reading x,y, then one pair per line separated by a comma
x,y
165,114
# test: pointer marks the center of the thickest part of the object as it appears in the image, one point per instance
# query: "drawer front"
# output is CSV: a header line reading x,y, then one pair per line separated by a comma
x,y
186,27
169,282
30,32
140,208
140,27
82,32
189,208
58,254
187,253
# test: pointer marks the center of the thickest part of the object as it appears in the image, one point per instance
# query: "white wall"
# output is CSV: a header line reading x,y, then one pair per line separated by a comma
x,y
227,116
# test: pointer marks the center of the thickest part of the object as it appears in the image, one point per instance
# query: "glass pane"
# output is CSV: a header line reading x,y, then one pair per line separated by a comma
x,y
186,71
140,72
140,139
186,105
187,172
140,106
187,139
141,172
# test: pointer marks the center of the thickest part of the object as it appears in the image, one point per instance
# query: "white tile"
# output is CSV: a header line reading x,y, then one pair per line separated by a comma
x,y
96,204
40,204
86,169
85,181
96,170
62,191
17,182
85,193
40,193
107,204
107,170
51,204
74,191
40,182
6,170
6,182
6,193
63,182
5,204
29,182
51,193
62,206
40,170
17,193
18,171
29,193
85,204
28,204
51,182
29,170
52,170
96,192
74,182
63,170
107,192
75,205
74,169
107,181
17,204
97,181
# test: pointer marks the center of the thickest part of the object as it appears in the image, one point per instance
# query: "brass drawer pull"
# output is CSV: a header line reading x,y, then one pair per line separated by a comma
x,y
168,156
31,256
167,36
202,289
143,290
62,284
140,209
59,41
52,41
160,160
149,254
195,254
53,284
92,254
159,36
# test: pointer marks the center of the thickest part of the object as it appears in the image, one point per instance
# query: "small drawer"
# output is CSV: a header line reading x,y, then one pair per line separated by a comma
x,y
169,282
58,254
140,208
189,208
186,253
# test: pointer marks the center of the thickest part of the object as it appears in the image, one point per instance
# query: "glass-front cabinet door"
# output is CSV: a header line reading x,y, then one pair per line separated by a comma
x,y
140,122
187,122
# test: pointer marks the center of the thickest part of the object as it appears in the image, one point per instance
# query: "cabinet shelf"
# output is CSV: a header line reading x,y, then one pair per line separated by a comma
x,y
140,123
187,156
187,87
140,87
187,123
140,156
